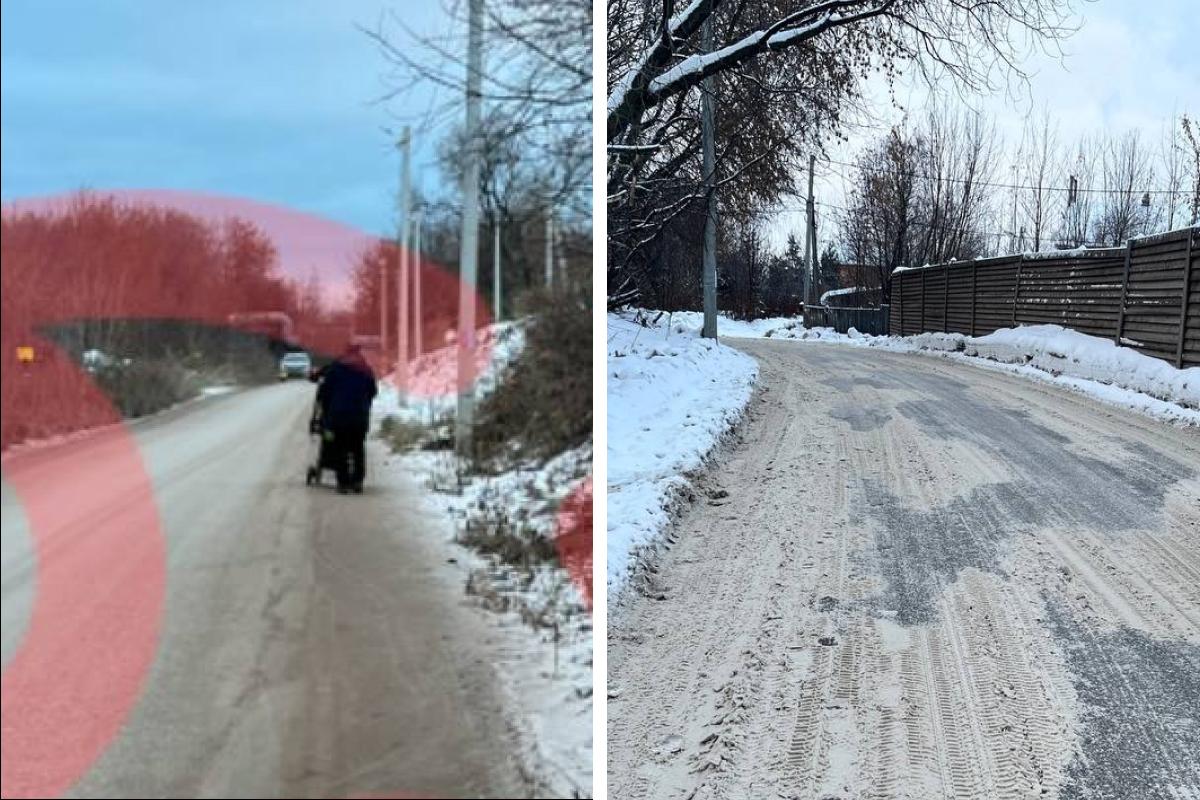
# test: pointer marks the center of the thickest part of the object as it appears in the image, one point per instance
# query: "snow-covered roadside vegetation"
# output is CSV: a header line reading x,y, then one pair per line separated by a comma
x,y
671,397
504,516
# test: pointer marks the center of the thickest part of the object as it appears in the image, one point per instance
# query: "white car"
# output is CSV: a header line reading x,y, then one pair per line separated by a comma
x,y
296,364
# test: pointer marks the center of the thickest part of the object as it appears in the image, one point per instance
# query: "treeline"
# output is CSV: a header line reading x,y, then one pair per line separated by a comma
x,y
943,186
142,297
523,237
946,186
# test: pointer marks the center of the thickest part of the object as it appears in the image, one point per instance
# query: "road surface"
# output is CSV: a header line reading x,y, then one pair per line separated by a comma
x,y
911,578
311,645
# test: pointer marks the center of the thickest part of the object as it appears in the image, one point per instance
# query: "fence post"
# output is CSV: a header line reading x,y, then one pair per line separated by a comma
x,y
974,273
923,271
1017,288
898,290
1183,301
1124,291
946,298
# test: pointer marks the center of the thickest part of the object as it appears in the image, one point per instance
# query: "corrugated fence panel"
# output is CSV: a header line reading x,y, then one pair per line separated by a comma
x,y
996,280
1080,292
1154,296
1191,342
1155,308
895,320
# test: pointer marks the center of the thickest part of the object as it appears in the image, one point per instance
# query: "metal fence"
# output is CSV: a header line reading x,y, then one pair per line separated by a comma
x,y
1145,295
865,320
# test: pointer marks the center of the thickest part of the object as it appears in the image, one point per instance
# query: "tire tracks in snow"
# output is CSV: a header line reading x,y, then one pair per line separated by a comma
x,y
924,582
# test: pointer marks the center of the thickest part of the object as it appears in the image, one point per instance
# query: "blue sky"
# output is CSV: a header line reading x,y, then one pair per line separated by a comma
x,y
266,100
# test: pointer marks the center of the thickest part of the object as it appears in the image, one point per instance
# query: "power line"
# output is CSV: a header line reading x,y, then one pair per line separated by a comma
x,y
994,185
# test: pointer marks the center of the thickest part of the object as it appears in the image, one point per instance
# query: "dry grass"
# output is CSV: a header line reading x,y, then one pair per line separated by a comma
x,y
543,403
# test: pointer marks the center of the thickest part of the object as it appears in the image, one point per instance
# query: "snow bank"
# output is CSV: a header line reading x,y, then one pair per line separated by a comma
x,y
546,667
843,292
1061,351
546,672
1089,365
435,376
732,328
671,396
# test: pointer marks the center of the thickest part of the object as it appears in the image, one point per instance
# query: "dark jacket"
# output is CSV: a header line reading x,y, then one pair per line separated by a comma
x,y
346,391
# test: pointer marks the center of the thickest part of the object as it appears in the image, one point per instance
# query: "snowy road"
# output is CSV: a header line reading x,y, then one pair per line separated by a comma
x,y
926,580
312,645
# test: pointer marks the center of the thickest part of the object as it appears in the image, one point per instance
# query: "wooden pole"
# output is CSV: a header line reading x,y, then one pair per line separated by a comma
x,y
923,299
974,297
946,299
1184,300
1124,292
1017,288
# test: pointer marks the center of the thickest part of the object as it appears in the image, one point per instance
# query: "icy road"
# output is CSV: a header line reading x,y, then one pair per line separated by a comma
x,y
309,645
911,578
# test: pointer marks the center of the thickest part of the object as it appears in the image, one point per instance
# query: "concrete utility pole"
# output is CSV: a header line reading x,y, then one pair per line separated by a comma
x,y
549,247
418,316
383,297
496,266
469,240
560,254
810,209
403,320
708,132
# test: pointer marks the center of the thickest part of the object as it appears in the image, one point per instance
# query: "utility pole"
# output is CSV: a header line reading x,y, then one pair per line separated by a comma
x,y
496,266
383,298
810,212
549,247
469,240
708,132
403,320
560,254
418,316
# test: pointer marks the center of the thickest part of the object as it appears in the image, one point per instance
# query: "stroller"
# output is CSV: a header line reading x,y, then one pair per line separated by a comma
x,y
321,452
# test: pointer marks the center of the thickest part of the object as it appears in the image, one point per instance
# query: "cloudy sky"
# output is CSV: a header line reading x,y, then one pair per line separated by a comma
x,y
1132,65
271,101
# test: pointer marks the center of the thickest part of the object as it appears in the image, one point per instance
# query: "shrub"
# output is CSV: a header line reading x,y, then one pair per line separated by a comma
x,y
542,404
144,387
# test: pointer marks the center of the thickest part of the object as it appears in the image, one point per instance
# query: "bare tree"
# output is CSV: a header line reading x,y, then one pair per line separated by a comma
x,y
1127,174
1077,214
1191,133
920,196
1041,172
788,78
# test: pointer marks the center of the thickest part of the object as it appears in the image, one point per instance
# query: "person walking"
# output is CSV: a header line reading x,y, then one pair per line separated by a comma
x,y
347,389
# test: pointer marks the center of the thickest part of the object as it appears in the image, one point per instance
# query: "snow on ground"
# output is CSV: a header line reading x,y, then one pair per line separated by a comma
x,y
546,667
671,397
1118,376
842,292
727,326
434,375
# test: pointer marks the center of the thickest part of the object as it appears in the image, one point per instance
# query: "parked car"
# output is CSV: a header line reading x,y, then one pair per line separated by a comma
x,y
297,364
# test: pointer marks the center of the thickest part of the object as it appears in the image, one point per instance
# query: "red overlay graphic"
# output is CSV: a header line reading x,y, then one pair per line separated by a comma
x,y
93,632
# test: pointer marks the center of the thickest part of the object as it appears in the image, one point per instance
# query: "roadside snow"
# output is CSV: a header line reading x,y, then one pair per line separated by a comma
x,y
434,376
1118,376
545,664
842,292
727,326
671,396
546,671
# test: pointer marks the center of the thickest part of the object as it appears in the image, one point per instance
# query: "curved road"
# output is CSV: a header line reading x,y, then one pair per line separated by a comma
x,y
912,578
311,645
